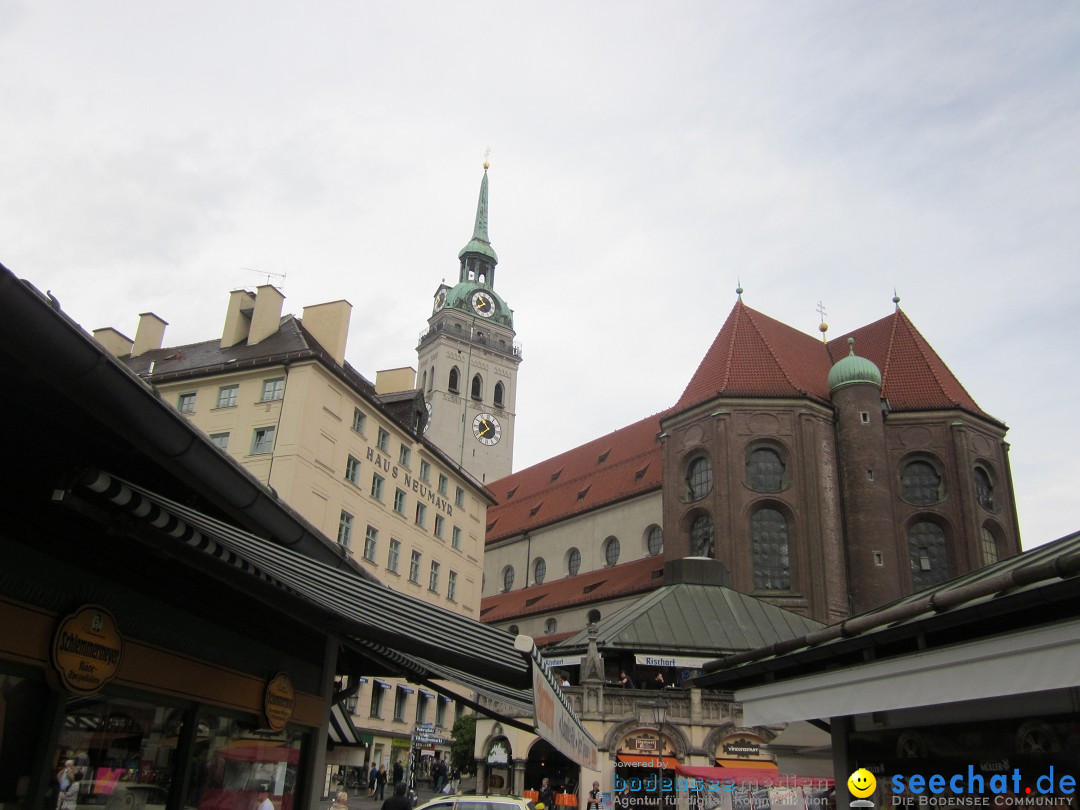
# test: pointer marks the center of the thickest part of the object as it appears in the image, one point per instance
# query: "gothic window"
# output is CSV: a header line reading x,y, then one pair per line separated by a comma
x,y
498,395
573,562
765,470
654,541
699,478
477,387
424,383
539,571
928,554
452,384
920,483
701,537
769,550
989,546
611,551
984,490
508,578
431,379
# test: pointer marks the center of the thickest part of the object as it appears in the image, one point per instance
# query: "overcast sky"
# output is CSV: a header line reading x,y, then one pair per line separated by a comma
x,y
646,157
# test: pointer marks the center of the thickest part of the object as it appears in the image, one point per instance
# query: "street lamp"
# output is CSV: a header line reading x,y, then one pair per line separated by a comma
x,y
659,716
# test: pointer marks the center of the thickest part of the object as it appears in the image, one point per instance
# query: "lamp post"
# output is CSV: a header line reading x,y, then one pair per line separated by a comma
x,y
659,716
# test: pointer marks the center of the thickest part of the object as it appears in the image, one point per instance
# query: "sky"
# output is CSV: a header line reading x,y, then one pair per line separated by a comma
x,y
646,159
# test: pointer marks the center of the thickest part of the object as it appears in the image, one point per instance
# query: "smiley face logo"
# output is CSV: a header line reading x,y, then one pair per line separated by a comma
x,y
861,783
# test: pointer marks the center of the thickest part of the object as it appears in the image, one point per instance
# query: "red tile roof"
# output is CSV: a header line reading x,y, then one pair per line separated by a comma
x,y
753,355
614,467
633,577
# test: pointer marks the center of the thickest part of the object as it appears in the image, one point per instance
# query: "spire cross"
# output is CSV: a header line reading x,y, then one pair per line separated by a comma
x,y
487,154
821,311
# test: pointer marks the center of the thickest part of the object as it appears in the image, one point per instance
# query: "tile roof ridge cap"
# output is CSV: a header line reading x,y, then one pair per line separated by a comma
x,y
772,352
919,341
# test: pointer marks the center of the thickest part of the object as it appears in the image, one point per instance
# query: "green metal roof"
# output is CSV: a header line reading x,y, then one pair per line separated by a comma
x,y
480,243
694,620
853,369
459,297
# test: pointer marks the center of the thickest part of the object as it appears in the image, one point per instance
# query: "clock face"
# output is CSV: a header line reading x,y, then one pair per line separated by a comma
x,y
440,300
486,429
483,304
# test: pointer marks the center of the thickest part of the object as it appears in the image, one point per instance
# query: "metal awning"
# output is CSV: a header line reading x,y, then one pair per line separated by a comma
x,y
419,640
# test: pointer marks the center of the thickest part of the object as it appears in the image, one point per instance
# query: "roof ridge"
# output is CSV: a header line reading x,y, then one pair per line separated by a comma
x,y
590,475
772,353
739,309
920,341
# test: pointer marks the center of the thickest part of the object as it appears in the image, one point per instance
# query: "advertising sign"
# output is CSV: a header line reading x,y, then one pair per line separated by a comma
x,y
87,648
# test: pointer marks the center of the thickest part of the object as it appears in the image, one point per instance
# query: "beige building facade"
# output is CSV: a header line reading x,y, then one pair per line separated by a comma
x,y
276,395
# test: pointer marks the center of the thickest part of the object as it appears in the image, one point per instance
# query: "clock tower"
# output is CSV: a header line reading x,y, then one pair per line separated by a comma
x,y
468,361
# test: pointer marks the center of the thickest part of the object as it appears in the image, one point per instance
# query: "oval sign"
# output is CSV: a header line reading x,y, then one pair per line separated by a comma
x,y
87,649
279,700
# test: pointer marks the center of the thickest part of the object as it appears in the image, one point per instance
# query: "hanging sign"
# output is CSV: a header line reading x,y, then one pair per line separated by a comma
x,y
86,650
279,701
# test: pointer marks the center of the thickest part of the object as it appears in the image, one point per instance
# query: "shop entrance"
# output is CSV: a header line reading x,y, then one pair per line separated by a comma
x,y
563,774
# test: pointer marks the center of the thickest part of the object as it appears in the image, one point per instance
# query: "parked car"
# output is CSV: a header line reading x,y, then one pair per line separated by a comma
x,y
473,802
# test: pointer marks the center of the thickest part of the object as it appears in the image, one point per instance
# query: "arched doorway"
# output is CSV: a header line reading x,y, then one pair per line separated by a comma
x,y
563,774
643,760
499,764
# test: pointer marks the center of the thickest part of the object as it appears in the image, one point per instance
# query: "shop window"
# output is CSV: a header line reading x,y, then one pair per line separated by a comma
x,y
699,478
22,707
928,554
702,537
920,483
764,470
539,571
769,550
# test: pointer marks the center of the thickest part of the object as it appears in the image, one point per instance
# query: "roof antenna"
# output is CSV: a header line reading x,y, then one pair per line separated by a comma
x,y
896,299
267,274
822,327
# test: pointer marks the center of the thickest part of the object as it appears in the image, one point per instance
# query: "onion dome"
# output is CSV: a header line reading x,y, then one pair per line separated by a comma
x,y
853,369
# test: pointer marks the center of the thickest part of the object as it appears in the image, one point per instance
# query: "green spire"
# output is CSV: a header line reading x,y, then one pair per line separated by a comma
x,y
480,242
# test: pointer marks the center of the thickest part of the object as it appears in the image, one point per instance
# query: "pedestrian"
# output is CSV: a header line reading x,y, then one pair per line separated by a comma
x,y
341,801
68,782
455,778
373,777
380,782
399,801
596,798
264,797
547,794
399,772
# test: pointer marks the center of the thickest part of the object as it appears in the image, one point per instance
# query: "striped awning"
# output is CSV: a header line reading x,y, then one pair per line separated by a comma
x,y
342,731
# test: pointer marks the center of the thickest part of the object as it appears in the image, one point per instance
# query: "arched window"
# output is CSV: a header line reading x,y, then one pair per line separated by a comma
x,y
764,470
551,626
699,478
499,395
928,554
593,617
984,489
423,385
539,571
431,379
920,483
512,630
508,578
769,552
701,537
989,546
654,541
477,387
573,562
452,384
611,551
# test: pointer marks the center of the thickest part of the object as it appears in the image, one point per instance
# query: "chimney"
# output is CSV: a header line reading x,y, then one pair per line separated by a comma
x,y
266,319
329,324
149,335
115,343
393,380
237,318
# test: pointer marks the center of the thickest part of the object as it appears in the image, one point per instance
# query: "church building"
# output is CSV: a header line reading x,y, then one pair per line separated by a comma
x,y
824,477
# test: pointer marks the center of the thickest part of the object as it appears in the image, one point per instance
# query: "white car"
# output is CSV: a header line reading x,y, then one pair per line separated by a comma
x,y
463,801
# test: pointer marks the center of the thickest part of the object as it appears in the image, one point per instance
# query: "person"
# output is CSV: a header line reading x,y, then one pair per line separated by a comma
x,y
562,681
373,778
455,778
264,797
380,782
547,794
399,801
624,681
623,800
439,775
595,799
658,681
341,801
399,772
68,781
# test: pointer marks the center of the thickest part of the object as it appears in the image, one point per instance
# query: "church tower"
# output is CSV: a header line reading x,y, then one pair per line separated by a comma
x,y
468,361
